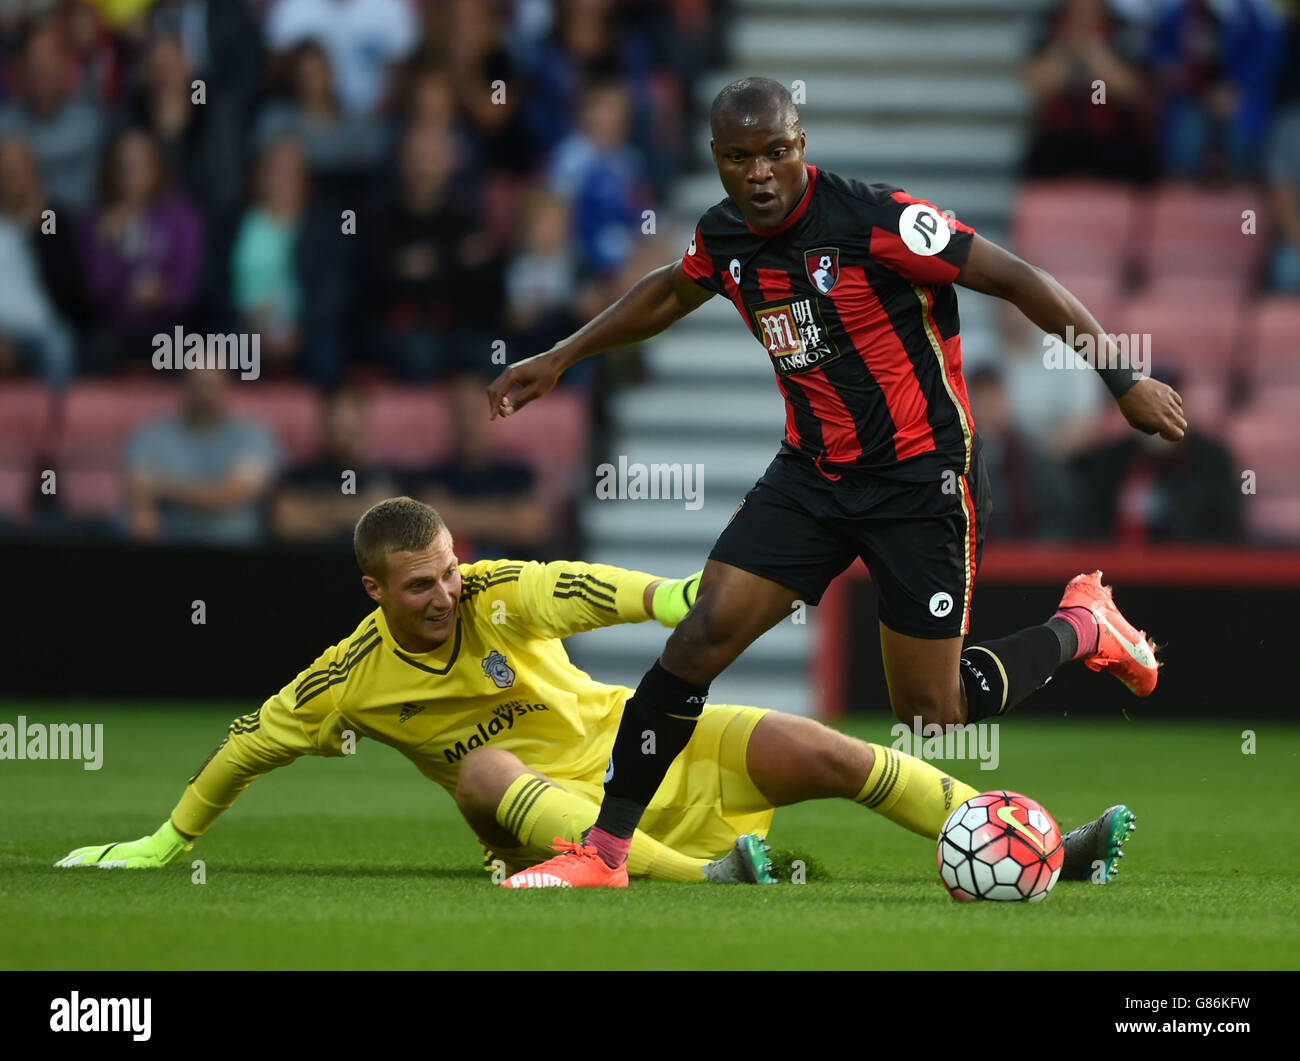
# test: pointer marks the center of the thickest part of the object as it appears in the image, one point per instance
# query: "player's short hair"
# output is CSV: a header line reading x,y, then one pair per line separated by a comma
x,y
396,524
754,95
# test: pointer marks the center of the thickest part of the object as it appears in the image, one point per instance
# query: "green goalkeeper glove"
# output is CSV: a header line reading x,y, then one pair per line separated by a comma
x,y
164,847
673,598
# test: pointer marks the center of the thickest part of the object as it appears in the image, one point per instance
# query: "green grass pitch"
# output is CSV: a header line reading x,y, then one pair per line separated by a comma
x,y
360,863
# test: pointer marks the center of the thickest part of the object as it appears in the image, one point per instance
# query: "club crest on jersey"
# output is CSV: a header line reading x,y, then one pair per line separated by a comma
x,y
794,334
496,668
823,266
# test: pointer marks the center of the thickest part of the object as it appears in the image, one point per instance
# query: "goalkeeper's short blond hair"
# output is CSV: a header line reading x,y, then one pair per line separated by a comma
x,y
396,524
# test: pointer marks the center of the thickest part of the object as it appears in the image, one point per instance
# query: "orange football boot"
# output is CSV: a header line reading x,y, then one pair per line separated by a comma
x,y
1122,650
576,866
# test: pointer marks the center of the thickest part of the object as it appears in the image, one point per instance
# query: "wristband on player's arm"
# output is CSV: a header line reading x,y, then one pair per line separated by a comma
x,y
673,598
1119,381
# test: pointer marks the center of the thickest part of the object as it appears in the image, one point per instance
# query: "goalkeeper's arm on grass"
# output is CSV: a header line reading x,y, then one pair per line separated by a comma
x,y
275,735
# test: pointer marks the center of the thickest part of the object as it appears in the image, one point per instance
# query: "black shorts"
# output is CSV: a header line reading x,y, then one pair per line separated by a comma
x,y
921,541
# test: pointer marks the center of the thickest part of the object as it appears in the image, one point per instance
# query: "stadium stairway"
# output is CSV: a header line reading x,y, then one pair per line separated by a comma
x,y
923,94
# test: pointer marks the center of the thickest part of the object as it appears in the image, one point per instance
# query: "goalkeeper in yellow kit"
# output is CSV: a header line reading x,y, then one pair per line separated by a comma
x,y
461,669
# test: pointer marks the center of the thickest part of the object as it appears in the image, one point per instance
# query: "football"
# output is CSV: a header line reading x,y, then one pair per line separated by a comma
x,y
1001,846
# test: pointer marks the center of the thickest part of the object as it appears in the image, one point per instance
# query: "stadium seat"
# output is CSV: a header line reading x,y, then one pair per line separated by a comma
x,y
91,490
1263,438
551,436
409,426
26,419
1274,341
1099,292
1199,338
1195,231
98,417
293,410
1273,521
1073,226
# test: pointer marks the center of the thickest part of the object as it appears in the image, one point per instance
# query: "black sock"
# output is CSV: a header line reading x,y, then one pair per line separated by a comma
x,y
999,674
657,724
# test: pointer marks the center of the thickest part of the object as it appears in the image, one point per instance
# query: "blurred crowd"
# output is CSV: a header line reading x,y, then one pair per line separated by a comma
x,y
1161,184
191,162
393,190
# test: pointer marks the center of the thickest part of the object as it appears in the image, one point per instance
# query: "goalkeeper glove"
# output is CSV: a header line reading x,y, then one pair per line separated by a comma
x,y
164,847
673,598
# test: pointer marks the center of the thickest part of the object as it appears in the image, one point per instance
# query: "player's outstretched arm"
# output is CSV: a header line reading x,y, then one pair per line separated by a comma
x,y
1147,404
273,736
658,299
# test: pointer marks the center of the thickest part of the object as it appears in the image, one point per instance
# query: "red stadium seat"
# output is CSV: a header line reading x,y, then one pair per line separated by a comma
x,y
1273,520
550,435
1194,231
1274,341
1263,438
26,419
99,417
293,410
1099,292
1198,338
1072,226
91,490
16,484
409,426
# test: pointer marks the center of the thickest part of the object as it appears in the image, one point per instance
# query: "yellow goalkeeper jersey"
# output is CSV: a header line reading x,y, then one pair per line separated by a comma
x,y
502,679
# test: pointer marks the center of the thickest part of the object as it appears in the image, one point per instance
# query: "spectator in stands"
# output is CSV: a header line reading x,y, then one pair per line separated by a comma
x,y
1079,44
164,104
433,276
584,45
1054,407
1141,489
341,148
92,52
484,81
201,476
31,333
541,279
491,504
142,251
1031,491
431,107
364,39
1214,62
289,254
64,132
51,235
1282,171
321,500
602,174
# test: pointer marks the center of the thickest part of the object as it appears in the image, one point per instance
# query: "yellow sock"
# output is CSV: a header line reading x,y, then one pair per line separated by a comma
x,y
910,792
535,812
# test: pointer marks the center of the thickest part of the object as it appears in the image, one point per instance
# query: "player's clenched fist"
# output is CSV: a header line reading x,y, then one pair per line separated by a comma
x,y
535,375
160,849
1155,407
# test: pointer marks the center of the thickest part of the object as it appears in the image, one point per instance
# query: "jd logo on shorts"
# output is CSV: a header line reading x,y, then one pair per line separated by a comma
x,y
940,605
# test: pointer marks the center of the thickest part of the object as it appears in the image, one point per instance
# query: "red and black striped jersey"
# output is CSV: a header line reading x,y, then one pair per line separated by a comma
x,y
851,297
